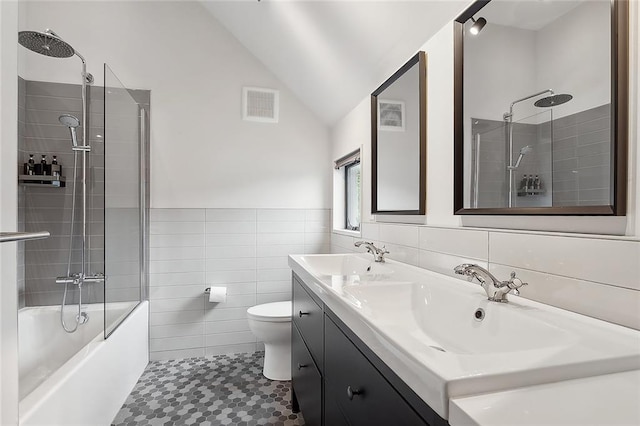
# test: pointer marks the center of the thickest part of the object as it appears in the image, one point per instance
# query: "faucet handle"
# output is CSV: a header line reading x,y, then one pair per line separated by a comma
x,y
515,283
383,250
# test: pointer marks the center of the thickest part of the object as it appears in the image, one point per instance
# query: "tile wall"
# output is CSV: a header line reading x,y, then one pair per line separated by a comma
x,y
594,276
48,208
245,250
582,158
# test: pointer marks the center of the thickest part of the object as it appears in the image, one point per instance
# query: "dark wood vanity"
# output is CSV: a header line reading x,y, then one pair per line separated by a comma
x,y
337,380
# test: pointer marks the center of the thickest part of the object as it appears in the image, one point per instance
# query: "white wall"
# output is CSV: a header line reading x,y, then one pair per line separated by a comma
x,y
500,67
505,63
202,153
586,29
8,213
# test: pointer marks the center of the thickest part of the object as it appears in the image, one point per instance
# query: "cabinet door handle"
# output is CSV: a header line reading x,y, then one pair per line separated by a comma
x,y
301,366
351,392
301,314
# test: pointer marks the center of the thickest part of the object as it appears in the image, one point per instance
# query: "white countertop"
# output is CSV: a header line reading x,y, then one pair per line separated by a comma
x,y
421,324
612,399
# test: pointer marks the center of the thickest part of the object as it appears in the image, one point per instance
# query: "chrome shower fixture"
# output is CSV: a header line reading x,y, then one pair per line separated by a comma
x,y
507,116
47,43
72,123
553,100
50,44
524,151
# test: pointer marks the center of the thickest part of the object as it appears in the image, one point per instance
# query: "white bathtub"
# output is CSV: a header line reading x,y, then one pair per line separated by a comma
x,y
79,378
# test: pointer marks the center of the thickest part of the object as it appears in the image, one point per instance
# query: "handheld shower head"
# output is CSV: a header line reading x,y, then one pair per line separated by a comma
x,y
47,43
72,123
525,150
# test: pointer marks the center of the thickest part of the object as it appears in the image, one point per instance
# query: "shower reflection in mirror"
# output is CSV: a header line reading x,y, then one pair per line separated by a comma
x,y
537,96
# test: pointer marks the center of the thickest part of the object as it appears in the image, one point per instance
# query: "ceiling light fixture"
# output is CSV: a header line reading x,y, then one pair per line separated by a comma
x,y
477,26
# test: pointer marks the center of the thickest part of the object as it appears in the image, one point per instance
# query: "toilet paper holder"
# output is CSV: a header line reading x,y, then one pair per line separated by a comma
x,y
207,290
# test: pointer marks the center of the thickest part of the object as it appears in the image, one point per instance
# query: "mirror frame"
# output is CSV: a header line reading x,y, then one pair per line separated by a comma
x,y
420,58
619,123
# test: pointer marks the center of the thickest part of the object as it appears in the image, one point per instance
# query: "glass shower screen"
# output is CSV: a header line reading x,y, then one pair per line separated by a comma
x,y
124,202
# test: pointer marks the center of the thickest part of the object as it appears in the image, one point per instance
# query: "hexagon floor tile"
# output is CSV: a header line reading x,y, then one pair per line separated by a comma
x,y
215,390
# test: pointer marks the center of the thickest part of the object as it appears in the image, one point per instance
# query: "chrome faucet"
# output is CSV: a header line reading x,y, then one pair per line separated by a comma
x,y
378,253
496,290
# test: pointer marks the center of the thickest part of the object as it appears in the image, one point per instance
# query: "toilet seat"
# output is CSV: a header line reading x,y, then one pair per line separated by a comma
x,y
271,312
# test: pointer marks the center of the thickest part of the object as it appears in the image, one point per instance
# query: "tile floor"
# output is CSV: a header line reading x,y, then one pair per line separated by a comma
x,y
215,390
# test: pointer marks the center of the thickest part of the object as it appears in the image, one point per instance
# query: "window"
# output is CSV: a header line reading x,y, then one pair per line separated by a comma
x,y
347,194
352,189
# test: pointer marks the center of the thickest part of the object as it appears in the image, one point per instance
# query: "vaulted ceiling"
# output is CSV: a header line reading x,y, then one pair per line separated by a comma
x,y
331,54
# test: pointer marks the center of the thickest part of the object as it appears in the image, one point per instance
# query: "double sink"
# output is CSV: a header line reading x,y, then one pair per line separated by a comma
x,y
444,338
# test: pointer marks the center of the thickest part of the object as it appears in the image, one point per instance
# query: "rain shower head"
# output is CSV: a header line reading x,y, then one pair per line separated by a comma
x,y
72,123
554,100
47,43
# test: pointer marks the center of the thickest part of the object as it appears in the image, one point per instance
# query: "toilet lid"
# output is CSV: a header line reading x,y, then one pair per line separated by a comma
x,y
275,312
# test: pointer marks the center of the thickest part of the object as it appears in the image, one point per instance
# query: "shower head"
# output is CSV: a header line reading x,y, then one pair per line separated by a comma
x,y
552,101
72,123
525,150
69,120
47,43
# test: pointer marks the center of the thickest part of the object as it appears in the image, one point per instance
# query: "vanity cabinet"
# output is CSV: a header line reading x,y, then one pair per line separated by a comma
x,y
360,391
337,380
307,317
306,379
307,345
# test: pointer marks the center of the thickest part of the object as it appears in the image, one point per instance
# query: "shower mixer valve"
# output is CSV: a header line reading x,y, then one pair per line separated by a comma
x,y
79,279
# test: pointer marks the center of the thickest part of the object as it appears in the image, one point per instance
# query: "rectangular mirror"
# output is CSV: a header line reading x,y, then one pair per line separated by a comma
x,y
541,99
399,141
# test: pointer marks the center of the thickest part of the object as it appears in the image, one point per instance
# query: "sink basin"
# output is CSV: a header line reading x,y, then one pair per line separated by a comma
x,y
443,337
468,326
344,265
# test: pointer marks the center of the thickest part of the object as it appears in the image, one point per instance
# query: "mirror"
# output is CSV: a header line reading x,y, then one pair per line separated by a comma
x,y
399,141
540,124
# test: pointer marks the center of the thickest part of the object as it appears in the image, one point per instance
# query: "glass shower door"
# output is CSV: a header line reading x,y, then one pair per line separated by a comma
x,y
124,202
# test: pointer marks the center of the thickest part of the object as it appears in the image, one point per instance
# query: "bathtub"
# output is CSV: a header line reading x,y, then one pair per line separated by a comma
x,y
79,378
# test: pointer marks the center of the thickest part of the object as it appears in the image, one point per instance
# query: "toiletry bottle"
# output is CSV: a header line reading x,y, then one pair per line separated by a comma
x,y
523,184
56,169
536,183
29,166
38,168
530,184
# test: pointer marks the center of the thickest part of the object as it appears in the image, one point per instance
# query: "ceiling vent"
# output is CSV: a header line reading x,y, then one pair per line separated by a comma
x,y
260,104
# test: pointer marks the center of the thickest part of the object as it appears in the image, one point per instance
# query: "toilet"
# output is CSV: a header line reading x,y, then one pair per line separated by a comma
x,y
271,324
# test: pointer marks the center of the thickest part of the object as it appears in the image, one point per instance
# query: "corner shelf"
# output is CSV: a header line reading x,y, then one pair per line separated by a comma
x,y
42,181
